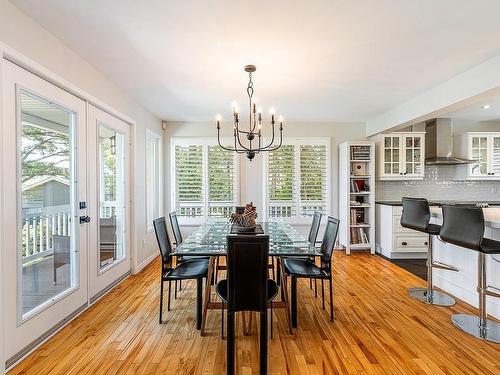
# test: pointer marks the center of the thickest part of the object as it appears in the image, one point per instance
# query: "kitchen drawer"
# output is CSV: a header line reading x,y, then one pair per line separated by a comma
x,y
416,242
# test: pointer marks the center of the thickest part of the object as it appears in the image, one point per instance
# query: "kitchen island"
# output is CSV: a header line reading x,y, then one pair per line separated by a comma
x,y
463,284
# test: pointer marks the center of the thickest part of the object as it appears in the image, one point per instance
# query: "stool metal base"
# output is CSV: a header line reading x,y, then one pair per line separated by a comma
x,y
470,325
437,298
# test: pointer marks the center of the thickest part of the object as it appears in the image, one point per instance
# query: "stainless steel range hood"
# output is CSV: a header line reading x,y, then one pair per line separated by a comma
x,y
439,144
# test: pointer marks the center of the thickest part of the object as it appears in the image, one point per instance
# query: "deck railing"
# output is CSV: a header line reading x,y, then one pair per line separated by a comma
x,y
38,229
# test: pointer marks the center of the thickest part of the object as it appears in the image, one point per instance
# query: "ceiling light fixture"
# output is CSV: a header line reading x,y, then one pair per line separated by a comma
x,y
254,128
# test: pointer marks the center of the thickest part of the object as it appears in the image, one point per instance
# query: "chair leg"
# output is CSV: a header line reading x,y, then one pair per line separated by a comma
x,y
263,342
216,270
274,274
230,342
169,293
271,320
161,300
175,289
331,299
222,323
278,273
310,283
323,292
180,285
315,289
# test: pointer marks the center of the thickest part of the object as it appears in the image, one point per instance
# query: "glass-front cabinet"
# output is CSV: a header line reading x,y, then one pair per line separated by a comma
x,y
484,148
401,156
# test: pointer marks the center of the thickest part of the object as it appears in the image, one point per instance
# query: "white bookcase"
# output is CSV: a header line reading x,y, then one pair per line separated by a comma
x,y
357,196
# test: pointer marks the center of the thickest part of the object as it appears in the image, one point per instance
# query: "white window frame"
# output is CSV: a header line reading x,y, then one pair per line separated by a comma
x,y
204,142
154,137
297,142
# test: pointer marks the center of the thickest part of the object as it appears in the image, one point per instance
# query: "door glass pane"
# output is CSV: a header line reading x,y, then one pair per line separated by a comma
x,y
416,156
387,141
395,168
417,142
409,157
47,204
395,155
112,196
495,163
409,141
387,168
387,155
395,142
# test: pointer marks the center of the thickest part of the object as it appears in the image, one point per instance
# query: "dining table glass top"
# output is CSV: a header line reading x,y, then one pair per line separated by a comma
x,y
211,240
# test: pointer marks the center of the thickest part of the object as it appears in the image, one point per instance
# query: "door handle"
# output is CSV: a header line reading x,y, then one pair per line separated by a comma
x,y
404,243
84,219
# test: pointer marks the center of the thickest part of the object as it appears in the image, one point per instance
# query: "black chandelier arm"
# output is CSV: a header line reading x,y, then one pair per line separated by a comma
x,y
274,148
270,143
237,137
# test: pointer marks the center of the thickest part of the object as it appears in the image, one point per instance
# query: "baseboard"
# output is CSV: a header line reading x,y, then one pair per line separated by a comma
x,y
144,263
400,255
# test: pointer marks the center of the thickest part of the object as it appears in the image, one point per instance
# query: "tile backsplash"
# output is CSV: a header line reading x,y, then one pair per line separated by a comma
x,y
439,183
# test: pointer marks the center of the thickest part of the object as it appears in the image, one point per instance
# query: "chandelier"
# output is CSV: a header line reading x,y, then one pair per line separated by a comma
x,y
253,146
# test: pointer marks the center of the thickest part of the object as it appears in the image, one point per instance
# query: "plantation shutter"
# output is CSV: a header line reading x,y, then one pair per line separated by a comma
x,y
281,183
313,179
221,182
189,187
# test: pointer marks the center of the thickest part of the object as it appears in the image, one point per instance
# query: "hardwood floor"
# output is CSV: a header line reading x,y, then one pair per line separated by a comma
x,y
378,330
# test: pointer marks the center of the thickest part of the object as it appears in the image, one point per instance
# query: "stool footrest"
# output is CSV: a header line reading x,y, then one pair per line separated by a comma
x,y
444,266
489,292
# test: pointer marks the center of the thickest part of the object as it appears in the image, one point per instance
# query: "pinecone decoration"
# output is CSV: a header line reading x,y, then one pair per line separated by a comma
x,y
247,218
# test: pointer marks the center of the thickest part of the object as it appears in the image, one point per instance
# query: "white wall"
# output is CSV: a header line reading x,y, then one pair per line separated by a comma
x,y
24,35
251,173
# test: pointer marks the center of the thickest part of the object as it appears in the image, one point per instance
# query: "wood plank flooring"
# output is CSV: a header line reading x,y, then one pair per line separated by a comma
x,y
378,330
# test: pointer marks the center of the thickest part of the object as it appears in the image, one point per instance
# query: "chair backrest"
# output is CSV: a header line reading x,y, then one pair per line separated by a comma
x,y
240,210
328,243
175,228
313,232
163,241
416,214
463,226
247,272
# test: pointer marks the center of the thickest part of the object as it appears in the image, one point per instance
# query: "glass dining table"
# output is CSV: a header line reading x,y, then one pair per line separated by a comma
x,y
210,240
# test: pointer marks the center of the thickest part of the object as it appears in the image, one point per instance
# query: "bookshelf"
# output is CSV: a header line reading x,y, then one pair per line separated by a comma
x,y
357,196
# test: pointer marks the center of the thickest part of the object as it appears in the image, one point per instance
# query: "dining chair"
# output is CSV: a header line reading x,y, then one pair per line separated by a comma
x,y
247,288
187,270
176,230
311,238
300,268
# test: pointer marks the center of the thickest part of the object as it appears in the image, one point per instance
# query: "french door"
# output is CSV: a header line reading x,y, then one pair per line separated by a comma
x,y
108,158
66,199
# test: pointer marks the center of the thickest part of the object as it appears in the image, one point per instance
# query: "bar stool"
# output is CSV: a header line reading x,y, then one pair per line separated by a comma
x,y
464,226
416,215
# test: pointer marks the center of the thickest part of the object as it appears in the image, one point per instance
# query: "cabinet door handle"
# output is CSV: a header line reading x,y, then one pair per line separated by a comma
x,y
426,243
404,243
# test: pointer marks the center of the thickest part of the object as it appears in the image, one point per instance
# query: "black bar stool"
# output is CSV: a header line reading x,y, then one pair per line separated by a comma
x,y
416,215
464,226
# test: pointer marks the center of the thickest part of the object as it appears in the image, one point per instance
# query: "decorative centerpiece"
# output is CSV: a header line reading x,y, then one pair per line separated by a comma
x,y
246,220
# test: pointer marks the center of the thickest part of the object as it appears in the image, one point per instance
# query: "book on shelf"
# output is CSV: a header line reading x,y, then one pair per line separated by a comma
x,y
358,186
360,153
359,236
357,216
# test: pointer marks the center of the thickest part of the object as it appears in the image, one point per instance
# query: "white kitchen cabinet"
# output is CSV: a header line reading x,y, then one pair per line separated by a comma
x,y
394,241
401,156
484,147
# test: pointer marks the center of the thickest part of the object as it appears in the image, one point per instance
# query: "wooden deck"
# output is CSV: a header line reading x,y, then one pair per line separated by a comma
x,y
378,330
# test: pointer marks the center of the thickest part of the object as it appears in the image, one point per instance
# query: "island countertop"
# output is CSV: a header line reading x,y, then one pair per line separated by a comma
x,y
436,202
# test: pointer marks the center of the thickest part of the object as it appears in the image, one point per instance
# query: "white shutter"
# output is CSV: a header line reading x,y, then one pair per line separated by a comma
x,y
189,187
313,179
281,183
221,182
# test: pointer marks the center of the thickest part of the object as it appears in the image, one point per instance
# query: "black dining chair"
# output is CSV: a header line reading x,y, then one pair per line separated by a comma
x,y
187,270
247,288
176,230
300,268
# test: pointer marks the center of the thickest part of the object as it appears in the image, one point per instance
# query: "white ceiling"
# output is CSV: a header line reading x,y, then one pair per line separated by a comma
x,y
323,60
476,112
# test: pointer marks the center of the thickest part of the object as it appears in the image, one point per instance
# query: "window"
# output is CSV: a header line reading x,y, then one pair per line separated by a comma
x,y
297,179
152,178
204,183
